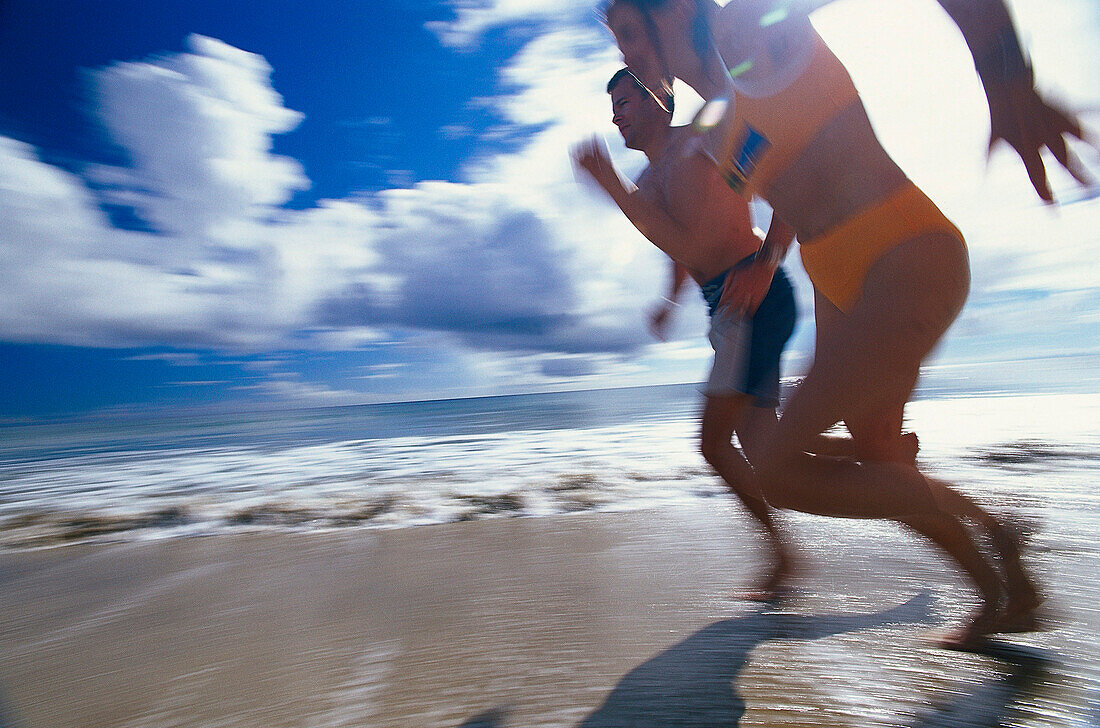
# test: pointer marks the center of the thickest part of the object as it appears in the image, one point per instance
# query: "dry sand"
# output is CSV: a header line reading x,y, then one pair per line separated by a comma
x,y
593,620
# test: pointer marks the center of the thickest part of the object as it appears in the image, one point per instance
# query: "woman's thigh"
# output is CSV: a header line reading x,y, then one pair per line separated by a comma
x,y
867,361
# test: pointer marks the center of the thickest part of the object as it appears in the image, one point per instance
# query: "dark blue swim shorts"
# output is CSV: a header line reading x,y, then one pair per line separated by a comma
x,y
747,351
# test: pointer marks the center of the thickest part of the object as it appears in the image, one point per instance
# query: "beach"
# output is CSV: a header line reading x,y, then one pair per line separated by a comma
x,y
525,575
560,621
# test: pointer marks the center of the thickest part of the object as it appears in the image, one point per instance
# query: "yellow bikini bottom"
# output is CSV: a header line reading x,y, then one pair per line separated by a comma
x,y
838,261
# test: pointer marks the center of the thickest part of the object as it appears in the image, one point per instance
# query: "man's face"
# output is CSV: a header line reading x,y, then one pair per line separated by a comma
x,y
634,112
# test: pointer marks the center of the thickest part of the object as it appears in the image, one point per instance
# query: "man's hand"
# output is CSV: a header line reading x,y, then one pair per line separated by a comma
x,y
659,318
592,156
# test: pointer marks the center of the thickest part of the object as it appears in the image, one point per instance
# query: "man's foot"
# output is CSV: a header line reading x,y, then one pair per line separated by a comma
x,y
775,586
770,591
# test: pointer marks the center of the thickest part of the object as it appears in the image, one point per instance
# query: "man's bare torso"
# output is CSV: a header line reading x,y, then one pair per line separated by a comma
x,y
689,189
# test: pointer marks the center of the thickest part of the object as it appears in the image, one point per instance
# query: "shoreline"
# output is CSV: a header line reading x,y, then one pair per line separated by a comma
x,y
596,467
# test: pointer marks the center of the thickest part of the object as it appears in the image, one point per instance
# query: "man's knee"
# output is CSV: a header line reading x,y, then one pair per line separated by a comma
x,y
716,431
714,445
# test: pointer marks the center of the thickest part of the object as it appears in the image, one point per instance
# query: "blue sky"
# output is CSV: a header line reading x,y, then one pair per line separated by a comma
x,y
294,203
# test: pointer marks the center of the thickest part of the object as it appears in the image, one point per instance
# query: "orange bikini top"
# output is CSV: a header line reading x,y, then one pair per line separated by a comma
x,y
761,136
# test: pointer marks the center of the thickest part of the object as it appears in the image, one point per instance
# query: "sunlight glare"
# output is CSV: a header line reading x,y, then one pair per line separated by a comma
x,y
710,114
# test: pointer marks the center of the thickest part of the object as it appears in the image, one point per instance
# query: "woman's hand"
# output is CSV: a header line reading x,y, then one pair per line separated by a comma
x,y
745,287
1021,117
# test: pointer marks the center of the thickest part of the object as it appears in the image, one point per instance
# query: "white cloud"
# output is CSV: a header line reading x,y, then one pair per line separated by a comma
x,y
493,261
44,205
198,128
559,80
514,272
227,266
474,17
519,256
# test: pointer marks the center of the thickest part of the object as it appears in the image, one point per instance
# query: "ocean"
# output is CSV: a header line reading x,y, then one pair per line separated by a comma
x,y
404,465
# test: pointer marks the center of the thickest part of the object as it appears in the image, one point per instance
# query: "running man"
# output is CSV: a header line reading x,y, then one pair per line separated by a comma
x,y
705,228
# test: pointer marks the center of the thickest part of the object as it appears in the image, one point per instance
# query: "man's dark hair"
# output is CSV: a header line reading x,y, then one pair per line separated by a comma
x,y
626,74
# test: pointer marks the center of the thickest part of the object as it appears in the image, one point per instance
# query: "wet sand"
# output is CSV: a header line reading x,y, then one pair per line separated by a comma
x,y
593,620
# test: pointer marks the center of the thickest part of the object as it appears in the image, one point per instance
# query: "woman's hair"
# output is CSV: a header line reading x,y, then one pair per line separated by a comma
x,y
700,26
700,36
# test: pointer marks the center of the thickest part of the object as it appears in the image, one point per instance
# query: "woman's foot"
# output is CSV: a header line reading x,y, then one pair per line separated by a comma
x,y
901,449
1022,598
908,447
1015,609
974,635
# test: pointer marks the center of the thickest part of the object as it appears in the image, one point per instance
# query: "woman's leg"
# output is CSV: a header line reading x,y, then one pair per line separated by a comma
x,y
866,365
722,416
880,439
874,433
864,371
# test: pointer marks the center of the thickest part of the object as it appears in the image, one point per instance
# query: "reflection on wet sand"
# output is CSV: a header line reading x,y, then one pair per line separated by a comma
x,y
995,699
590,621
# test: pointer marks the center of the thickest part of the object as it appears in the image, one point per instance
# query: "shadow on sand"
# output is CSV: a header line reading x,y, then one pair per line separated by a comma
x,y
691,684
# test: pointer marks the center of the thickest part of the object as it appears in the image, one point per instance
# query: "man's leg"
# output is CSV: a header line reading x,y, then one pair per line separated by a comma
x,y
722,415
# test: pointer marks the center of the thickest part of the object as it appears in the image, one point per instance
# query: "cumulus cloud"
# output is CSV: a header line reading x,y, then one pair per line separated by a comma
x,y
197,127
460,258
515,256
508,260
220,269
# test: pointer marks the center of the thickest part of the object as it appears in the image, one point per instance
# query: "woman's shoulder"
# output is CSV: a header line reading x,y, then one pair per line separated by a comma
x,y
763,47
745,19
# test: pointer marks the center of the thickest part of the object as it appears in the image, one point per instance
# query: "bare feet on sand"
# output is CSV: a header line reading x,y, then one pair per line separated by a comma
x,y
1017,608
775,583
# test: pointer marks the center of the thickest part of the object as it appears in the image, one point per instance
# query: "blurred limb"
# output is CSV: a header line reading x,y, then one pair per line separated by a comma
x,y
591,157
724,414
1018,114
746,286
661,315
652,221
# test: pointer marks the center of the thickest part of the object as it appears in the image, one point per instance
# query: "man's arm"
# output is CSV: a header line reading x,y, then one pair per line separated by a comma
x,y
660,316
1017,113
652,220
